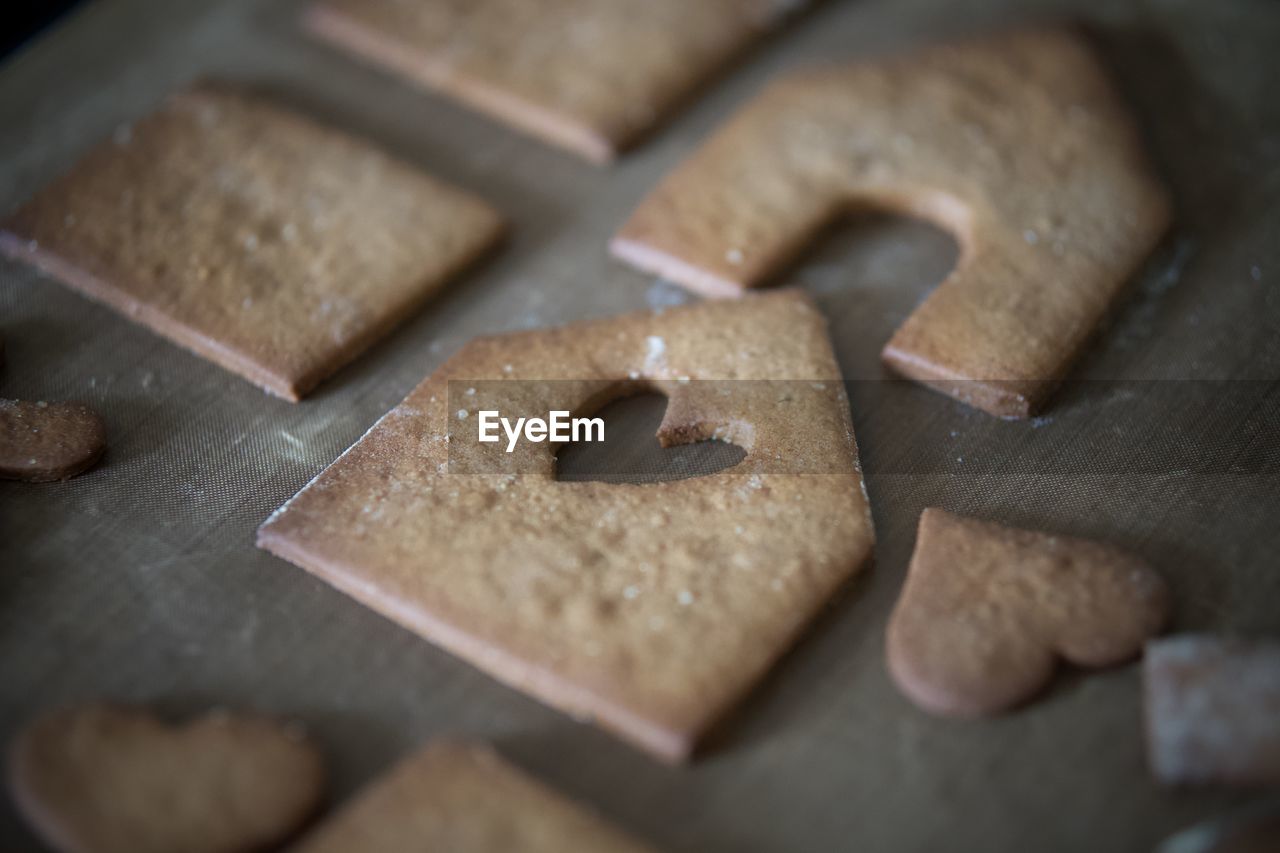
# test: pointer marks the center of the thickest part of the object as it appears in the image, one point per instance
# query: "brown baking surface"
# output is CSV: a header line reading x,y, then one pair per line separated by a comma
x,y
146,585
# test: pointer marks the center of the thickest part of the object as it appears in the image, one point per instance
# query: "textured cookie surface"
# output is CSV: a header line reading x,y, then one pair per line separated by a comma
x,y
101,779
590,75
1213,710
986,610
651,608
41,442
462,798
1017,145
268,244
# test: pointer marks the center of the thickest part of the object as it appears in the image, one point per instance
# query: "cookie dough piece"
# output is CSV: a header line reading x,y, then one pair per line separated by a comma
x,y
588,75
463,798
270,245
42,442
103,779
987,610
1015,144
651,608
1213,710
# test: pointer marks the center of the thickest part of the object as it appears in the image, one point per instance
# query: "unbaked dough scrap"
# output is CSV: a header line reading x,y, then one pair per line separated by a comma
x,y
41,442
650,608
1016,144
589,75
1213,710
270,245
462,797
987,610
108,779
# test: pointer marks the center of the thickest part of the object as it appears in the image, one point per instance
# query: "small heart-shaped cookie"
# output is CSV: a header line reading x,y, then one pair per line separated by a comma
x,y
102,779
986,611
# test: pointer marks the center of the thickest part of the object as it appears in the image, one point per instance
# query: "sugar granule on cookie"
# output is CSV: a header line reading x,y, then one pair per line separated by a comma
x,y
41,442
107,779
987,610
649,608
273,246
591,76
463,798
1213,710
1016,144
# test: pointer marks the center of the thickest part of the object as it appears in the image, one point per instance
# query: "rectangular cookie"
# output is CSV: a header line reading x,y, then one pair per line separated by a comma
x,y
588,75
270,245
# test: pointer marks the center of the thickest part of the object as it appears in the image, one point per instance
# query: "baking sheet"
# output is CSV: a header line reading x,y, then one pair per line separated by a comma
x,y
140,582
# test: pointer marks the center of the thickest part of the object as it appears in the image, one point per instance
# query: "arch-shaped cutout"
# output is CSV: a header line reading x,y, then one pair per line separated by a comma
x,y
867,272
1017,145
632,451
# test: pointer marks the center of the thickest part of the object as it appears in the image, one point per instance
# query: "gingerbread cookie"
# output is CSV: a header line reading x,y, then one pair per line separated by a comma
x,y
462,797
1016,144
102,779
650,608
270,245
42,442
588,75
1213,710
987,610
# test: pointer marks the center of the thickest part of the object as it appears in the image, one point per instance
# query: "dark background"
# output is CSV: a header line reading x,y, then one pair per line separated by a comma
x,y
26,18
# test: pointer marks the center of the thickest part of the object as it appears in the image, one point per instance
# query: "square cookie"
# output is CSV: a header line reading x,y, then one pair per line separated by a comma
x,y
649,608
589,75
273,246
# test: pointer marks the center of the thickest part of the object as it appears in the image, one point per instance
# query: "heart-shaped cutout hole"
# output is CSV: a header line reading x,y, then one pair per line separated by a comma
x,y
630,452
